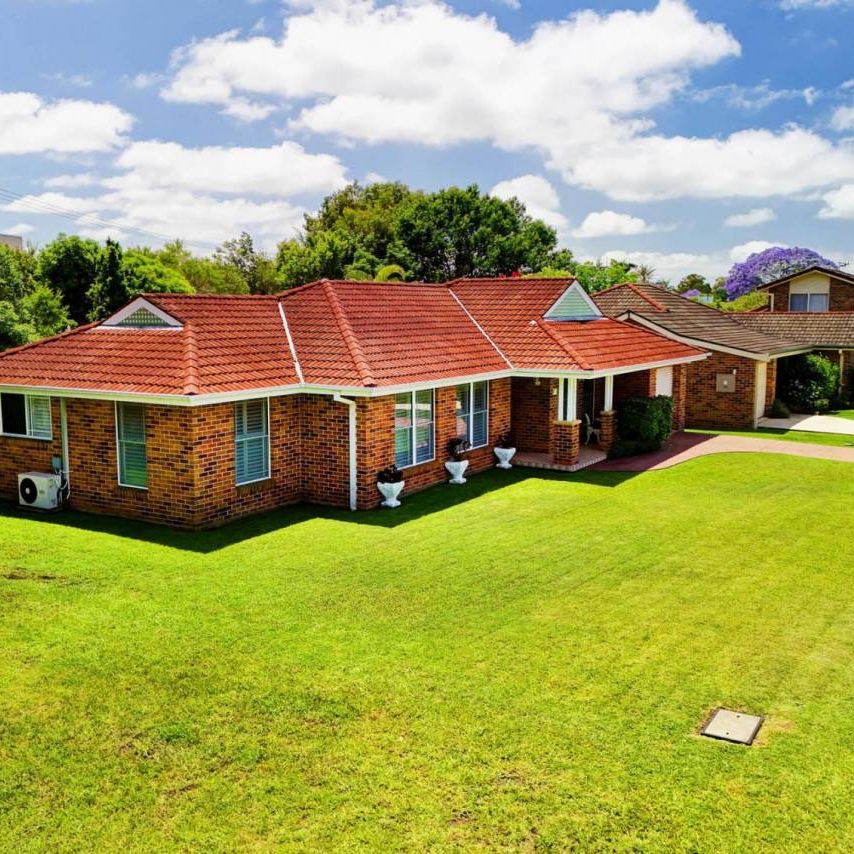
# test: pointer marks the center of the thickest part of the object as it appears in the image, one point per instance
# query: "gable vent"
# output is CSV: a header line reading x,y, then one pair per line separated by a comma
x,y
142,317
574,304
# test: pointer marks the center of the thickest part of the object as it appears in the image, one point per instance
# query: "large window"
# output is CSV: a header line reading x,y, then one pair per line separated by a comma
x,y
473,413
25,415
413,428
808,302
251,441
130,430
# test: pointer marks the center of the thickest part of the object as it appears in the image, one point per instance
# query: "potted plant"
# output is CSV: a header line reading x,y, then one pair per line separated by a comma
x,y
458,464
390,483
505,450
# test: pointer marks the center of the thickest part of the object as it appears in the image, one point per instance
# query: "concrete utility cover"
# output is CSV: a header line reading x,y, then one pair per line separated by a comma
x,y
732,726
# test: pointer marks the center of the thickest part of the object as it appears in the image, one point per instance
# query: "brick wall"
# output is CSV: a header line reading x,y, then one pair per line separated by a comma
x,y
534,409
771,385
841,296
680,395
708,408
375,440
779,298
635,384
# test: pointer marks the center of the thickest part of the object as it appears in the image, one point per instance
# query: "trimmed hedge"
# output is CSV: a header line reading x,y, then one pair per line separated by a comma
x,y
643,425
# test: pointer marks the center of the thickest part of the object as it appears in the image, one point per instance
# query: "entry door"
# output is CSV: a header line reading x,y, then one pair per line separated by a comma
x,y
759,391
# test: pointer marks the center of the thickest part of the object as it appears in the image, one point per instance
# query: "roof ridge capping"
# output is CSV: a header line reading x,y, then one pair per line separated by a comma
x,y
353,345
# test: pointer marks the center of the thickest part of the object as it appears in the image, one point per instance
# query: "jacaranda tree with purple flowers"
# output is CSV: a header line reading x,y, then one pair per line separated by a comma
x,y
770,264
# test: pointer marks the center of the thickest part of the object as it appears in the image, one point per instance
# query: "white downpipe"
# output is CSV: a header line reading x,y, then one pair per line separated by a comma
x,y
351,405
63,431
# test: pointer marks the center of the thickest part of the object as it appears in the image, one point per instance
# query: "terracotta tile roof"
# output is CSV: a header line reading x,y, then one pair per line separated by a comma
x,y
510,311
813,329
343,334
687,318
225,344
381,334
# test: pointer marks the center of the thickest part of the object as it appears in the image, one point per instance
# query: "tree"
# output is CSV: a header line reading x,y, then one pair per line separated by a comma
x,y
257,270
14,330
808,382
749,302
771,264
645,273
595,276
109,290
144,272
68,266
694,282
44,312
12,287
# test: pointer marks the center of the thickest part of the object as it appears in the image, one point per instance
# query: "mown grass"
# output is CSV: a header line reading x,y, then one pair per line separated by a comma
x,y
522,663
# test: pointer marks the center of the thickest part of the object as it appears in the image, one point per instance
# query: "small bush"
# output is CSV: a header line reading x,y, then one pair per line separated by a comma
x,y
809,382
506,441
778,409
458,447
392,474
643,425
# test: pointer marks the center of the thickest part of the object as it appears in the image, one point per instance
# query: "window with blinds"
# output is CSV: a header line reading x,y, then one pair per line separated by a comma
x,y
251,441
25,415
413,428
473,413
130,429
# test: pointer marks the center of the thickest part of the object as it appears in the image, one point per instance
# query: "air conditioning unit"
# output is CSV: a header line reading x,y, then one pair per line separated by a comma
x,y
39,491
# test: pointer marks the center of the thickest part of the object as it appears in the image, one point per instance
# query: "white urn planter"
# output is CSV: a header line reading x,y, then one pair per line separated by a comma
x,y
457,468
390,492
504,456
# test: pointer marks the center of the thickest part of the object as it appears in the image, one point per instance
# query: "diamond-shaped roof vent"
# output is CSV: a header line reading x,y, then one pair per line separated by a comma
x,y
737,727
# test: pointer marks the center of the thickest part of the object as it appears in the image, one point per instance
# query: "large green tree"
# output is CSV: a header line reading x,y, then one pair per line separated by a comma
x,y
256,269
68,266
433,236
109,291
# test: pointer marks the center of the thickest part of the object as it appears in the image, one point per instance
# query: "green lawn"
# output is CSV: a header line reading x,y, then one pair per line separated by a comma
x,y
838,439
844,413
521,663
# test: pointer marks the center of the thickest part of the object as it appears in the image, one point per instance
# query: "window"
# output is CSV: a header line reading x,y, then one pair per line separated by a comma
x,y
413,428
130,429
251,441
473,413
808,302
25,415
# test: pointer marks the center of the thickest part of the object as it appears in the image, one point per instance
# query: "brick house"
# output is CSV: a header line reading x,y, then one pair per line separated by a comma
x,y
731,389
814,308
195,410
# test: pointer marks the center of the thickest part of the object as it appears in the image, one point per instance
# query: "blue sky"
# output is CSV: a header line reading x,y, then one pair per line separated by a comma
x,y
680,134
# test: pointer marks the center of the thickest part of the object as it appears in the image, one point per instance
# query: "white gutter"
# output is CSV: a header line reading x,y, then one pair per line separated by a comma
x,y
354,483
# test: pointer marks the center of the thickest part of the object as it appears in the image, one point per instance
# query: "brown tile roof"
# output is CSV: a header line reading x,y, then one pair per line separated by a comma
x,y
688,319
825,329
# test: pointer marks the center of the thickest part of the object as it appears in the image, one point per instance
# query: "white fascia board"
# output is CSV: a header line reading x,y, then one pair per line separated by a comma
x,y
696,342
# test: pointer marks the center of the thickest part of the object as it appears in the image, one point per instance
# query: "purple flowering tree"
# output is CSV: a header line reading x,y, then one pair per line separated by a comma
x,y
770,264
692,293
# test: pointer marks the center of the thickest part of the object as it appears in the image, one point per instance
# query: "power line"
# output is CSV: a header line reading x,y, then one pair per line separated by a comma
x,y
39,206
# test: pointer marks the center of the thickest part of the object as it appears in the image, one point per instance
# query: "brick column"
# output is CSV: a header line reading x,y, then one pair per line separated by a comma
x,y
566,441
608,434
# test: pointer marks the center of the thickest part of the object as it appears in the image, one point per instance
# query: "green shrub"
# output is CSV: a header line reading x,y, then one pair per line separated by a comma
x,y
778,409
643,425
809,382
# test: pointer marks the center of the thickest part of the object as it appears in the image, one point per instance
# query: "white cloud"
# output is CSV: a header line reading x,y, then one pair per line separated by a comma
x,y
843,118
145,80
756,216
537,194
286,169
670,266
838,203
755,98
203,195
813,4
743,251
19,229
611,223
77,81
71,182
29,125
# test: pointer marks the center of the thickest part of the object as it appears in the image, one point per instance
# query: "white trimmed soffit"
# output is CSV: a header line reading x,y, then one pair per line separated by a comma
x,y
699,342
114,320
350,391
573,292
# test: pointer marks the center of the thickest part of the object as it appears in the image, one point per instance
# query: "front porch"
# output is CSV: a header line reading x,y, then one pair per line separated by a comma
x,y
569,423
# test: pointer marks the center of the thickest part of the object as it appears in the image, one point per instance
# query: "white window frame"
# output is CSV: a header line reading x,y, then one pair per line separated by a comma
x,y
469,418
119,440
809,296
269,475
28,398
414,426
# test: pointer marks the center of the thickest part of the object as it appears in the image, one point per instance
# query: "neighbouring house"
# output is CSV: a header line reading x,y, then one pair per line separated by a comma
x,y
733,387
814,308
12,241
194,410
